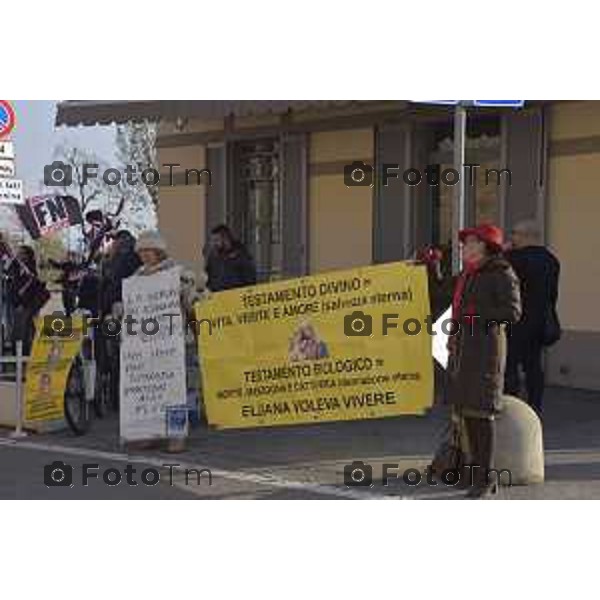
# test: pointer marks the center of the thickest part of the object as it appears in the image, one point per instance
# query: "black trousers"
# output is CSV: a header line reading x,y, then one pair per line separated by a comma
x,y
69,299
525,352
24,328
481,439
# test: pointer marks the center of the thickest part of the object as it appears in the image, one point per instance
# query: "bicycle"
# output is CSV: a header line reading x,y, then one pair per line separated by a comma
x,y
89,392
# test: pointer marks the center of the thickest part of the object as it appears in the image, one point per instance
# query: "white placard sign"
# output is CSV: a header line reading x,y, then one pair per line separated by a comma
x,y
11,191
7,168
439,340
7,150
152,365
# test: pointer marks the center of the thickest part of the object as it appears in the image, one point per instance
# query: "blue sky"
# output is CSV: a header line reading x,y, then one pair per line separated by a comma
x,y
36,138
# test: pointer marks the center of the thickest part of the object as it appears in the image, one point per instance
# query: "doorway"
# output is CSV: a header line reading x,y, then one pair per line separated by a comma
x,y
258,203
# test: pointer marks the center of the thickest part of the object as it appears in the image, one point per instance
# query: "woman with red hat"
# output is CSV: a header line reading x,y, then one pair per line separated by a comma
x,y
486,302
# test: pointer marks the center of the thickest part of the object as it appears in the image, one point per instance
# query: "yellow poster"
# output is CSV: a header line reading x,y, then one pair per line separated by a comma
x,y
48,369
342,345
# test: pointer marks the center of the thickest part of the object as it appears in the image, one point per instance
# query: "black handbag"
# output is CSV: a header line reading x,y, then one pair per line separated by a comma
x,y
552,330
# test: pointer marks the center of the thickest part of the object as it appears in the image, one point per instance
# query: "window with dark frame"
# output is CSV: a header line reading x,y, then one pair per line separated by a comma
x,y
259,185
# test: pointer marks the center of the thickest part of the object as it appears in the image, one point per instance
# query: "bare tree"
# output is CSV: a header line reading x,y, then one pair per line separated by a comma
x,y
136,146
80,185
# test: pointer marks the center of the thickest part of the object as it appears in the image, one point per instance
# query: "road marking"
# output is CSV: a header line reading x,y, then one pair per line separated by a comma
x,y
241,476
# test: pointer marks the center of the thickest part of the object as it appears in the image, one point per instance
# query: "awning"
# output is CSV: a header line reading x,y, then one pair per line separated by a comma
x,y
104,112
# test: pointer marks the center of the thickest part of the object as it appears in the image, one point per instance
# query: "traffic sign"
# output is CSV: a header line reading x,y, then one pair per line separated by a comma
x,y
7,168
450,102
7,118
7,149
11,191
501,103
496,103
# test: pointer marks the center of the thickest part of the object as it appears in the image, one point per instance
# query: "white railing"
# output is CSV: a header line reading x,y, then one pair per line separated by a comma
x,y
19,361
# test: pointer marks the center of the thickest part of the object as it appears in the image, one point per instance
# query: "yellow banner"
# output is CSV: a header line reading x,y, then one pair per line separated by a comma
x,y
318,348
48,369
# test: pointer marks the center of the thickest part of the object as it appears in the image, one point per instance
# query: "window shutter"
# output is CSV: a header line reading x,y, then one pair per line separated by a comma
x,y
393,221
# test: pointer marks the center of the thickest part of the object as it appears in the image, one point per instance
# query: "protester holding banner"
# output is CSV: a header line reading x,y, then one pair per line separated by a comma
x,y
152,251
228,262
486,294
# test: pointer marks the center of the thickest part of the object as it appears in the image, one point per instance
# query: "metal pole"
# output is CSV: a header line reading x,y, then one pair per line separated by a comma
x,y
458,214
18,432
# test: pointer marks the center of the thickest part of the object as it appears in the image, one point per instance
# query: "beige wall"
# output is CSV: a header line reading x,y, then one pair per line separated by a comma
x,y
573,215
191,126
333,207
344,111
575,119
340,218
181,208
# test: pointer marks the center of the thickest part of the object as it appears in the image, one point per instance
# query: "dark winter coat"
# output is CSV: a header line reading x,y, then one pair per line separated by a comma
x,y
121,266
478,353
538,272
233,269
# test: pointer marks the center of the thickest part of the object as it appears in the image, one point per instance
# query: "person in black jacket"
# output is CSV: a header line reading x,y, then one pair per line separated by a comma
x,y
23,279
538,271
69,280
122,262
486,303
228,263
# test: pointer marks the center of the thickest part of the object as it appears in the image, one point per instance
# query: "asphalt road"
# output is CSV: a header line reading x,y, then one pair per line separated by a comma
x,y
300,462
27,467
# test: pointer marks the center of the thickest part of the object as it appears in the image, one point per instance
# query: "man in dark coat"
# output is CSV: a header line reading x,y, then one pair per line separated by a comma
x,y
486,303
228,264
121,262
27,292
538,271
69,280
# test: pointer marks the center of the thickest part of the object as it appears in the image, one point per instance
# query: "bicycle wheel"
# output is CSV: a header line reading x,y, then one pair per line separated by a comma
x,y
77,412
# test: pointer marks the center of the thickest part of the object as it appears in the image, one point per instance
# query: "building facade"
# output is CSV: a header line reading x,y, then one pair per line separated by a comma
x,y
277,177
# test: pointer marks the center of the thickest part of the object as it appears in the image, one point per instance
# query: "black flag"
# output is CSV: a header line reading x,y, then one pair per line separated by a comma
x,y
42,215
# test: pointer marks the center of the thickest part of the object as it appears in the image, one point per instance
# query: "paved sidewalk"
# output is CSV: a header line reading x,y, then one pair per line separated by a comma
x,y
308,461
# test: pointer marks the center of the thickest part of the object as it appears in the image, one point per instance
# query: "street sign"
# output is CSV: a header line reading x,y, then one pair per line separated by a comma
x,y
7,149
501,103
496,103
446,102
7,118
7,168
11,191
